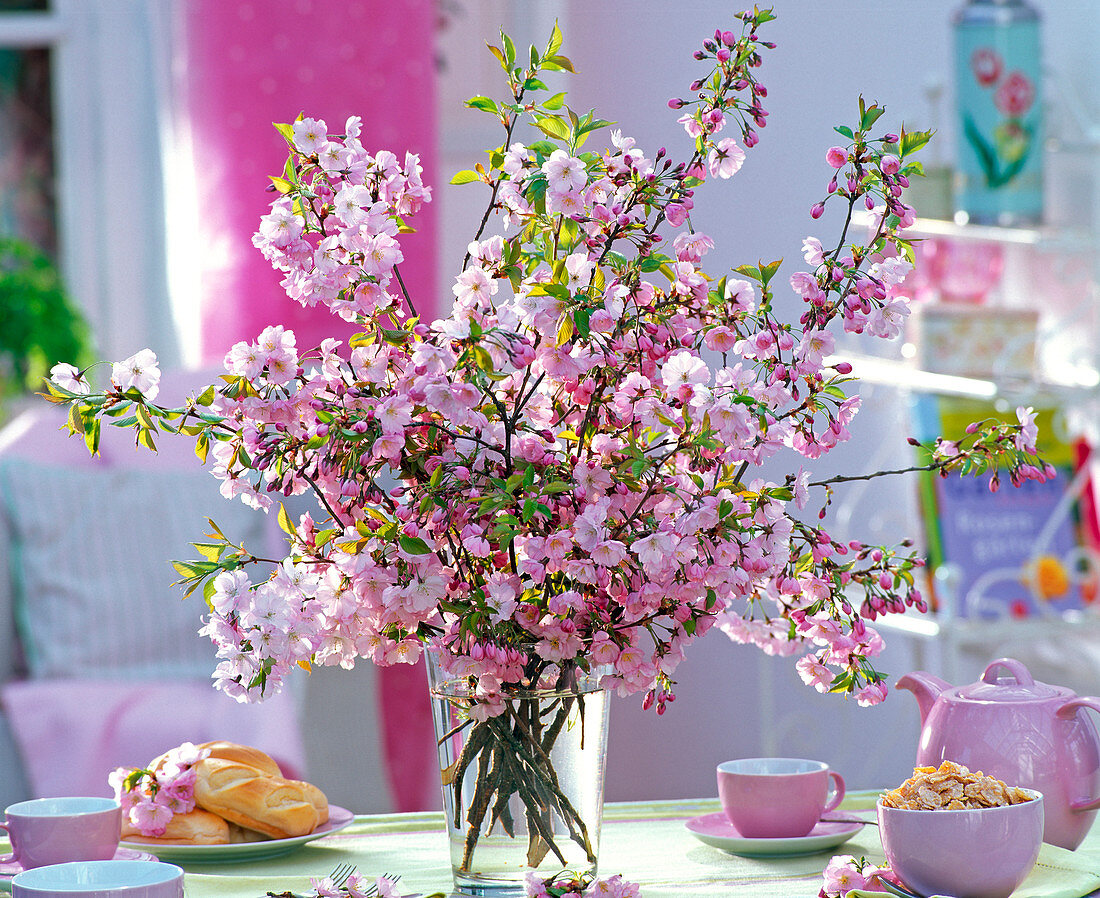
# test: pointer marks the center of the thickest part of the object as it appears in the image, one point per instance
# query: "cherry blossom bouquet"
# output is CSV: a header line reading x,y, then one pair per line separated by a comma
x,y
561,476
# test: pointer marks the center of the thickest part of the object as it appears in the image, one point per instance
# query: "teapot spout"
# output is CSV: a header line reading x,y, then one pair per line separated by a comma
x,y
926,687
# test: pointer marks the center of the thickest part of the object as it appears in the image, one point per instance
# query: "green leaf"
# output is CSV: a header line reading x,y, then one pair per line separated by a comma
x,y
556,486
395,337
542,149
202,446
284,521
498,54
414,545
565,329
466,176
509,50
554,44
553,126
281,184
190,570
286,130
91,437
486,104
558,63
555,102
145,437
767,272
844,131
209,551
580,319
869,116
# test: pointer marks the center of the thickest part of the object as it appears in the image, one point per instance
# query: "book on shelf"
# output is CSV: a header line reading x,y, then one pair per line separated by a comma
x,y
1020,551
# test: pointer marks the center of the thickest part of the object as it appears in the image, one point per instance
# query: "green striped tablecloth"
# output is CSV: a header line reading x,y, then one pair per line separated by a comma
x,y
646,842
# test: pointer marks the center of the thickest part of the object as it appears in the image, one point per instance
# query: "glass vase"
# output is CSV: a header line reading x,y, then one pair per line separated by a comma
x,y
522,790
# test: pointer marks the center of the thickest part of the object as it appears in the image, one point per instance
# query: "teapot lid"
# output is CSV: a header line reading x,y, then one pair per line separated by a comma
x,y
1007,680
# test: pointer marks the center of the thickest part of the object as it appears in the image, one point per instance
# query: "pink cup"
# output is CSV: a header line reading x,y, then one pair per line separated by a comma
x,y
777,798
48,831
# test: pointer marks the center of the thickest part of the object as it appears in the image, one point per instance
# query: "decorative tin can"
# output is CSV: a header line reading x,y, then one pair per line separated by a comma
x,y
997,90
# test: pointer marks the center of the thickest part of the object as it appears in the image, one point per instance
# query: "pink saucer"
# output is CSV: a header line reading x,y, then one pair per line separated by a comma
x,y
8,869
717,831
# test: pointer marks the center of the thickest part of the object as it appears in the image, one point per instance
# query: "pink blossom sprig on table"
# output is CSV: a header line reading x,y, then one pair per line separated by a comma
x,y
356,885
570,885
560,473
844,874
349,885
151,797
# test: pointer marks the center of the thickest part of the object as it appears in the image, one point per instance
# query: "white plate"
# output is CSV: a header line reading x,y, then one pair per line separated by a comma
x,y
716,830
238,852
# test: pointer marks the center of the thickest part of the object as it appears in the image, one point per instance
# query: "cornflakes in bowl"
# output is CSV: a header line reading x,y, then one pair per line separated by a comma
x,y
952,787
985,844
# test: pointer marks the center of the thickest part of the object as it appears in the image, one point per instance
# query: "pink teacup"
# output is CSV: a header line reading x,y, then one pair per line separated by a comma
x,y
47,831
777,798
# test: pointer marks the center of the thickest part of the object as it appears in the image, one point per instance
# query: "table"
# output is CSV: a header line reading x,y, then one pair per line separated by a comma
x,y
646,842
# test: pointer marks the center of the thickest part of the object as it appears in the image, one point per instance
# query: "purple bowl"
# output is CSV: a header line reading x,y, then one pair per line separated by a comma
x,y
984,853
100,879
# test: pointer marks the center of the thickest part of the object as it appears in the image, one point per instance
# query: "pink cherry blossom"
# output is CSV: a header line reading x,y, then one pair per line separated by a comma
x,y
726,158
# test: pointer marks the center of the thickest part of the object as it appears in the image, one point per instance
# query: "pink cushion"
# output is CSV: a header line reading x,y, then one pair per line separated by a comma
x,y
108,724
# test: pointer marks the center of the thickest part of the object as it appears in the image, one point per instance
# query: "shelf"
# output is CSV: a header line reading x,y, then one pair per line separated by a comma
x,y
904,374
1042,237
966,630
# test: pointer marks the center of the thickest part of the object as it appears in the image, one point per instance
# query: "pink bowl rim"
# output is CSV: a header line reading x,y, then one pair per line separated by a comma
x,y
1036,796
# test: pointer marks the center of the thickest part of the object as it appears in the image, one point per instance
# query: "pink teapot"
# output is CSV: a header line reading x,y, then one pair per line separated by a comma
x,y
1021,731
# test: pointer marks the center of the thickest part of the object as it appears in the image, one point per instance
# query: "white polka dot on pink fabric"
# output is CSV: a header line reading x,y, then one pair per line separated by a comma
x,y
305,74
281,42
237,53
269,85
236,120
246,12
346,51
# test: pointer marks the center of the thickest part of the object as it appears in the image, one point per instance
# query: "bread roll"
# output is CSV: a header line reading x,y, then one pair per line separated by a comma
x,y
243,754
198,827
243,795
316,798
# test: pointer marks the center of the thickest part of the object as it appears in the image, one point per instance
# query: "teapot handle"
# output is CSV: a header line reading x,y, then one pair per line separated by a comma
x,y
1067,712
1017,669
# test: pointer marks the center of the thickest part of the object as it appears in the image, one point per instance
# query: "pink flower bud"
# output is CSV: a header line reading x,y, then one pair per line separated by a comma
x,y
817,210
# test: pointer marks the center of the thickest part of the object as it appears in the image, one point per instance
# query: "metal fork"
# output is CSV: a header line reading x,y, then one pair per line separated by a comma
x,y
340,874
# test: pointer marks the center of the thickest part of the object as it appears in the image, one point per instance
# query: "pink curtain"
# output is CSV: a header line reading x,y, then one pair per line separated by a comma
x,y
254,62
